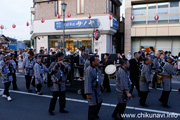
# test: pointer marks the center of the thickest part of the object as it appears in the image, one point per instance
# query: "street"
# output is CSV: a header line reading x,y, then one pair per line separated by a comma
x,y
31,106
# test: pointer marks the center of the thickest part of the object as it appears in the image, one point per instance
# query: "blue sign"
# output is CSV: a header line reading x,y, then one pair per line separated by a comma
x,y
115,24
21,45
13,46
89,23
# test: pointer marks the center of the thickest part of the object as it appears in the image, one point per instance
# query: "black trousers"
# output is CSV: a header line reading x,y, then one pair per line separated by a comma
x,y
62,101
106,83
93,111
154,81
6,88
14,81
38,86
28,81
135,83
33,82
120,108
143,97
164,97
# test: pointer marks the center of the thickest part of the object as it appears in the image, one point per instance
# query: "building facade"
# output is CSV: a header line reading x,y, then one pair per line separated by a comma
x,y
144,31
78,28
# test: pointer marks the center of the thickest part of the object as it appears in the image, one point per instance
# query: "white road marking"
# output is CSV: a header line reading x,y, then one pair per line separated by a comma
x,y
173,90
22,76
104,104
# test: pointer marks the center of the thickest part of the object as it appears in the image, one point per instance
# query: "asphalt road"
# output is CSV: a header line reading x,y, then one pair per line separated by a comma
x,y
29,106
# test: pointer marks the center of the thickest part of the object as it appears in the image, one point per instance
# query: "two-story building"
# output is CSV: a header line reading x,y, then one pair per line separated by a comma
x,y
78,28
153,23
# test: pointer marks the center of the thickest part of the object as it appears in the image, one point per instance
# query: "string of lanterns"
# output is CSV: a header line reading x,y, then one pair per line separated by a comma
x,y
13,26
156,17
58,16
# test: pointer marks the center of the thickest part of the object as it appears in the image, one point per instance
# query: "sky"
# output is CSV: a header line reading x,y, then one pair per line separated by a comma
x,y
16,12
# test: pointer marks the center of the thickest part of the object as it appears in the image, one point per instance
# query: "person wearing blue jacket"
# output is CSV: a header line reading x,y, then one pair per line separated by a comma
x,y
28,64
58,71
6,70
39,69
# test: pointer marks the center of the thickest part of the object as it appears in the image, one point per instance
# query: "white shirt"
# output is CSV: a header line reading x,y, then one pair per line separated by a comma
x,y
68,53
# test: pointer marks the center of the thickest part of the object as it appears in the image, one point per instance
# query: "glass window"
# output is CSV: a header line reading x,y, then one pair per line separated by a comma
x,y
163,19
163,8
151,20
82,6
152,9
75,43
78,6
139,20
174,19
59,8
174,7
80,43
110,6
139,10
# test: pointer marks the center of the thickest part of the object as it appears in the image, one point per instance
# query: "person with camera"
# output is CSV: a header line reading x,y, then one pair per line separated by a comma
x,y
6,70
58,70
93,87
28,64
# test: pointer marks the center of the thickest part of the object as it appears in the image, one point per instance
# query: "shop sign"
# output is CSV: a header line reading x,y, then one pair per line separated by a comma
x,y
89,23
115,24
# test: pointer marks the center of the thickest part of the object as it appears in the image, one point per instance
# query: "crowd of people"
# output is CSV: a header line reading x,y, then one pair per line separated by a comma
x,y
140,68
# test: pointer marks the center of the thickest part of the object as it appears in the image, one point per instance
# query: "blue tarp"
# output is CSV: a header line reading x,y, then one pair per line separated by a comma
x,y
13,46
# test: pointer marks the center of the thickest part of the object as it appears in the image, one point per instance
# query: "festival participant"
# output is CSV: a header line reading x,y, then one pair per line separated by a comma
x,y
93,87
58,70
167,73
27,66
123,86
6,70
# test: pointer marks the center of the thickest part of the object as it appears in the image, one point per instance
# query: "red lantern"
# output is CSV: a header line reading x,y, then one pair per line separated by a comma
x,y
58,16
1,27
89,16
13,26
96,34
132,17
110,17
156,17
69,15
27,24
42,20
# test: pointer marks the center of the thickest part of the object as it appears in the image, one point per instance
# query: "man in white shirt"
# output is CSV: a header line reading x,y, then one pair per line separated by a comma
x,y
67,52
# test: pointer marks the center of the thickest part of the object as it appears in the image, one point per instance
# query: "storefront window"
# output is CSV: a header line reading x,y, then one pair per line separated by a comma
x,y
174,19
139,10
75,44
80,43
72,42
174,7
163,20
139,20
163,8
152,9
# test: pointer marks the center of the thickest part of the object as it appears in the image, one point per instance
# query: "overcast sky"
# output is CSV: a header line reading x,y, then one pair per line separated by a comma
x,y
16,12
